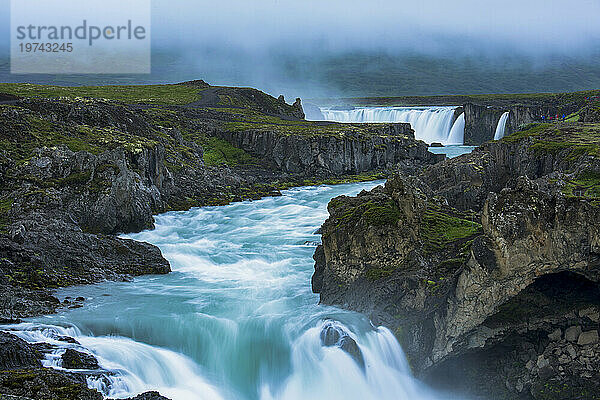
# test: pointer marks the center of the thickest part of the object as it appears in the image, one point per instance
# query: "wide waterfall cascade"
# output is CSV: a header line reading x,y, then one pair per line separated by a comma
x,y
236,319
500,128
431,124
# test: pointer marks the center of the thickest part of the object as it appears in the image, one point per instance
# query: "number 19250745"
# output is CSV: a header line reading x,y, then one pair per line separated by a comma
x,y
46,47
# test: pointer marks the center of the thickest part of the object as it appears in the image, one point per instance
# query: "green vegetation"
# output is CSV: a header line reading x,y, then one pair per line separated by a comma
x,y
23,136
134,94
586,184
371,212
375,274
342,179
218,152
381,214
438,229
239,120
5,207
530,130
575,139
453,100
555,390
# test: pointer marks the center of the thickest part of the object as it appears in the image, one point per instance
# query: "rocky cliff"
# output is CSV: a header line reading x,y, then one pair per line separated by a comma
x,y
329,150
481,121
487,266
483,112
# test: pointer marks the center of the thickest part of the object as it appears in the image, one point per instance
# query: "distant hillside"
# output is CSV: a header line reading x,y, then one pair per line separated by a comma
x,y
355,75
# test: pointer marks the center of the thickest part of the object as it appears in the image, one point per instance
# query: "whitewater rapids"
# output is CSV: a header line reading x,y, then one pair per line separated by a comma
x,y
236,319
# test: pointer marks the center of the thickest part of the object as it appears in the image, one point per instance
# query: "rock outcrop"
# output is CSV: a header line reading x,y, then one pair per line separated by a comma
x,y
351,149
23,377
481,121
487,267
73,359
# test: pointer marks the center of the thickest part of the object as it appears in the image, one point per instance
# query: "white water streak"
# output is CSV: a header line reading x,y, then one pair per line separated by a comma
x,y
501,127
431,124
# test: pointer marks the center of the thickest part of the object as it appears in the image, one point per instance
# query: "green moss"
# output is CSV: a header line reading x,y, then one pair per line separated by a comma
x,y
5,207
528,131
143,94
573,117
559,99
16,379
587,184
70,392
438,229
375,274
575,140
381,214
33,132
340,180
78,178
371,212
218,152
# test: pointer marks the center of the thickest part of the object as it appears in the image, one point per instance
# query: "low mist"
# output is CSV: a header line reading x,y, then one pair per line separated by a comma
x,y
337,48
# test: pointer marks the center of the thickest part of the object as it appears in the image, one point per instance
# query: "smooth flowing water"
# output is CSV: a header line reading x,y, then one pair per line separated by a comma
x,y
431,124
236,319
501,127
452,151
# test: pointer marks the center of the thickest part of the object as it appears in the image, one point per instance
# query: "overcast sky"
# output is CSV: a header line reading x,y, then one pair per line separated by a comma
x,y
533,27
260,42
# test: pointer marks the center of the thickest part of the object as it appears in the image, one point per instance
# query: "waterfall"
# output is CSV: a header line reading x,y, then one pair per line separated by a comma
x,y
457,133
501,126
431,124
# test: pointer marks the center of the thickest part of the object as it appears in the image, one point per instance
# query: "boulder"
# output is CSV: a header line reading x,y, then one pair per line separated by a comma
x,y
572,333
15,353
148,396
589,337
333,334
73,359
556,335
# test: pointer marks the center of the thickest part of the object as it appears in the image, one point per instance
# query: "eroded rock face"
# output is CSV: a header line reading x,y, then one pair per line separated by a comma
x,y
530,271
346,152
107,193
15,353
394,254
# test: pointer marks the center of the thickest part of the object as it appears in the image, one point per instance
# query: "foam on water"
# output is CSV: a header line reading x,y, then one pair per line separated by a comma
x,y
236,319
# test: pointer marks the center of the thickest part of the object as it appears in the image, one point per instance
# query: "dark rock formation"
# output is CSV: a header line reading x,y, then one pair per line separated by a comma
x,y
298,110
73,359
75,172
22,376
44,384
508,307
148,396
332,334
15,353
351,149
